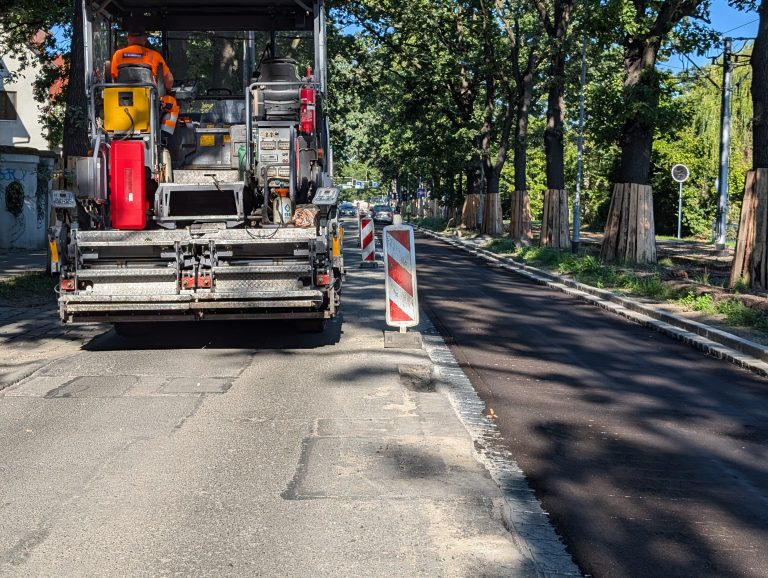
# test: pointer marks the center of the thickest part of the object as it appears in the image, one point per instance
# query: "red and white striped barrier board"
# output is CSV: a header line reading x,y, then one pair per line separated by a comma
x,y
367,240
400,268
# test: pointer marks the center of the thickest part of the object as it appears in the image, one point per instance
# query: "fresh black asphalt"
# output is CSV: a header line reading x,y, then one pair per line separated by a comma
x,y
650,457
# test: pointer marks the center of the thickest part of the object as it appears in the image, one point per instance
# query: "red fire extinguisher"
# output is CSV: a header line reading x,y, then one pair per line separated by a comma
x,y
308,113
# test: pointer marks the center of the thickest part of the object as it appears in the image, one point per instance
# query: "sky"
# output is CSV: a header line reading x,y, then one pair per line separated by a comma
x,y
728,22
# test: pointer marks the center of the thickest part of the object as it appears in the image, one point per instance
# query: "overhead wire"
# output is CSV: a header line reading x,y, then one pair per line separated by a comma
x,y
740,26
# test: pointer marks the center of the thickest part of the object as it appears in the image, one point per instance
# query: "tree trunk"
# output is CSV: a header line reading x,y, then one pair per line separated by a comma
x,y
469,212
749,261
641,99
492,222
520,160
553,133
76,139
629,233
520,223
224,65
554,224
759,62
475,185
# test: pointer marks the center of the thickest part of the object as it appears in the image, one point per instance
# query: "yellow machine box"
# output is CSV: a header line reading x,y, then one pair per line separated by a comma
x,y
127,109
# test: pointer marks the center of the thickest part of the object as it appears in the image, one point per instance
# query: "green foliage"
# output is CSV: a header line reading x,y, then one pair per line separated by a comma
x,y
741,286
22,21
501,246
691,136
702,303
545,256
734,310
737,313
432,223
27,287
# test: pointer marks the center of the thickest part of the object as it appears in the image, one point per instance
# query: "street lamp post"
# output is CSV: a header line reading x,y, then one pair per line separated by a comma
x,y
680,174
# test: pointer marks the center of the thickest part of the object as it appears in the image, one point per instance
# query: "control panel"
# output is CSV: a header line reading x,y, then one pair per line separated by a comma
x,y
274,152
326,196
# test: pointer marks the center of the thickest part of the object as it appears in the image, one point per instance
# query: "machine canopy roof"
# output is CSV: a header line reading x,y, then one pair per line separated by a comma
x,y
209,14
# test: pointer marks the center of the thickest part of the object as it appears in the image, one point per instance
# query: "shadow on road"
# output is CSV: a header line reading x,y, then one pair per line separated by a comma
x,y
265,335
649,456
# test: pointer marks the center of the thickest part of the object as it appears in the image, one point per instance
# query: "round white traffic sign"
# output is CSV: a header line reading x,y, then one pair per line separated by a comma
x,y
680,173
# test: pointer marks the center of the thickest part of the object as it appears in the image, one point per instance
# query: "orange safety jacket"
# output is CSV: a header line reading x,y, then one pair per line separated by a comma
x,y
135,54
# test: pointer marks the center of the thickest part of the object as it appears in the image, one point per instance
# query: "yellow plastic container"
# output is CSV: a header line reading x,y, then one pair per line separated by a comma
x,y
127,109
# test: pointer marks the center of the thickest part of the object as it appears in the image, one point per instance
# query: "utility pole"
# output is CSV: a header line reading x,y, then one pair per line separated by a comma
x,y
725,149
576,238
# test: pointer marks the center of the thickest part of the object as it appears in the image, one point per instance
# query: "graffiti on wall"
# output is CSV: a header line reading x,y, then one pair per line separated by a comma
x,y
18,227
10,174
43,175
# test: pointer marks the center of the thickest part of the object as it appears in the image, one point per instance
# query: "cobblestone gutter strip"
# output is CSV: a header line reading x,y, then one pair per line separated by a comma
x,y
522,513
710,340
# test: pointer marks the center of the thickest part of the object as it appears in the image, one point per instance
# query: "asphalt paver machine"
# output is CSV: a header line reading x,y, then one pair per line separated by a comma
x,y
232,213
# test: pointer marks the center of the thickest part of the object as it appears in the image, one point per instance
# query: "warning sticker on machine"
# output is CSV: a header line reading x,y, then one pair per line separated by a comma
x,y
207,140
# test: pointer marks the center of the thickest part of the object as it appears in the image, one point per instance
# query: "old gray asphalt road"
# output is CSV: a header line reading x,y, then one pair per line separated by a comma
x,y
651,458
244,450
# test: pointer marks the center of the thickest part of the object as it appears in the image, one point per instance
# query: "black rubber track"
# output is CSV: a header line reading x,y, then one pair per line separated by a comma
x,y
651,458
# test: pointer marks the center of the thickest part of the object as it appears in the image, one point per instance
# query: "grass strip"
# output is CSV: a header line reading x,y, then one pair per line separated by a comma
x,y
644,281
27,286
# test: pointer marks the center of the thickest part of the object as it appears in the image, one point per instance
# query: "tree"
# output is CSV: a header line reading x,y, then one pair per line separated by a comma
x,y
644,25
416,68
24,34
496,78
524,59
555,17
751,260
76,140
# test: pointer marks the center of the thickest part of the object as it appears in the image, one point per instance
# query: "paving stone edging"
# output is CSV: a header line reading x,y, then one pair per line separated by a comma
x,y
710,340
522,513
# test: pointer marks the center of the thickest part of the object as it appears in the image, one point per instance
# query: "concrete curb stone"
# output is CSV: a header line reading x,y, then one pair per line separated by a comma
x,y
710,340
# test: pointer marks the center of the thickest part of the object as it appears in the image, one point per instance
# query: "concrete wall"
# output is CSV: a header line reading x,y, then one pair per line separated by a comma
x,y
29,229
26,130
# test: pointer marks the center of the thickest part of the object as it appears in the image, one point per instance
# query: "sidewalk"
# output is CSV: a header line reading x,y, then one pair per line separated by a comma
x,y
31,334
19,261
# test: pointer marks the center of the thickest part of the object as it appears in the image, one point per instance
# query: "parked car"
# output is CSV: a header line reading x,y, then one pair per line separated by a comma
x,y
347,210
382,214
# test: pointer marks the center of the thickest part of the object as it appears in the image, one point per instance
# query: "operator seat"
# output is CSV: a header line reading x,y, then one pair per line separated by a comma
x,y
279,102
141,74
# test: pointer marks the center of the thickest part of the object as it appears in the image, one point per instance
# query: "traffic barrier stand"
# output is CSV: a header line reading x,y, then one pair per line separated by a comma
x,y
402,298
367,243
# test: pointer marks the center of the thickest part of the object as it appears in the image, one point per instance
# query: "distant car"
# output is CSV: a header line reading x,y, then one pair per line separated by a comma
x,y
382,214
347,210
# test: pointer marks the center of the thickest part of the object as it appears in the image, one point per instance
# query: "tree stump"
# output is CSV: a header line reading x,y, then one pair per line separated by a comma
x,y
630,234
520,223
750,260
554,224
469,211
492,224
